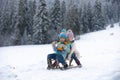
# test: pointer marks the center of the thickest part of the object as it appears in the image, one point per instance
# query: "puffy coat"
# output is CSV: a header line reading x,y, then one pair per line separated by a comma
x,y
73,50
62,49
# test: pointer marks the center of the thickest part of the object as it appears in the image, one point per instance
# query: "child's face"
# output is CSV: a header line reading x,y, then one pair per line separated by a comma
x,y
70,38
62,39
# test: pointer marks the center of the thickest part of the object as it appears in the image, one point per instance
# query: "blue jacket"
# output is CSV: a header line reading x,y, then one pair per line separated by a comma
x,y
63,52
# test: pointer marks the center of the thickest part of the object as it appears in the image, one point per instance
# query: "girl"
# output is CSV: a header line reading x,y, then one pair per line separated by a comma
x,y
74,54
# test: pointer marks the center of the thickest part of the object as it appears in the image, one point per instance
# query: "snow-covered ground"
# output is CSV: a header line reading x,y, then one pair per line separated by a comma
x,y
100,57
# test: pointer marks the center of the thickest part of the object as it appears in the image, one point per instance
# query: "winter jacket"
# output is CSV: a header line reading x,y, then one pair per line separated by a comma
x,y
73,50
64,51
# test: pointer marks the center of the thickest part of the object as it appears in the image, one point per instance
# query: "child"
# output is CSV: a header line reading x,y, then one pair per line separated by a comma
x,y
61,48
74,54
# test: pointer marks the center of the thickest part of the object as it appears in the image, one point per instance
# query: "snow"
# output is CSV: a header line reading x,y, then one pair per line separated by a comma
x,y
100,57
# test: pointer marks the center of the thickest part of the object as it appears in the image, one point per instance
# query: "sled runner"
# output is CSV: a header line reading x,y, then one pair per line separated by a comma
x,y
62,68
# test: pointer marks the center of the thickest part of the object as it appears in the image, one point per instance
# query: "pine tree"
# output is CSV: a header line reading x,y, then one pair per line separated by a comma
x,y
116,3
30,16
112,9
63,14
98,18
55,21
73,20
8,22
22,12
80,19
41,24
90,17
109,13
87,18
4,19
56,16
84,20
30,20
14,20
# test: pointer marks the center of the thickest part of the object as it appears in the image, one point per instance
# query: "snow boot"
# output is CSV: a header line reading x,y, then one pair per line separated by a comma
x,y
65,66
79,64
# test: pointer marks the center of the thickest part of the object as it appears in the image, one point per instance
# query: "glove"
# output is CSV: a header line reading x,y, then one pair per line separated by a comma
x,y
60,49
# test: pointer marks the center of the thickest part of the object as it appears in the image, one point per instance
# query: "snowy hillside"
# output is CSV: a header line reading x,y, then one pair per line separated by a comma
x,y
100,57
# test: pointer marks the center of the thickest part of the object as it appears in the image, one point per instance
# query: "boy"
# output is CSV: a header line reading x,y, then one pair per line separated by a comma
x,y
61,48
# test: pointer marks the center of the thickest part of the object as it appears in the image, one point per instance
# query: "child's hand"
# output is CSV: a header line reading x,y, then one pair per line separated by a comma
x,y
54,43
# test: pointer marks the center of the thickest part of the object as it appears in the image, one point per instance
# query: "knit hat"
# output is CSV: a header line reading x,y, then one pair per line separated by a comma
x,y
63,36
70,33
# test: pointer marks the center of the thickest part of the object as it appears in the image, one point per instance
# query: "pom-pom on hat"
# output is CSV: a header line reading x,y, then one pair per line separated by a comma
x,y
63,30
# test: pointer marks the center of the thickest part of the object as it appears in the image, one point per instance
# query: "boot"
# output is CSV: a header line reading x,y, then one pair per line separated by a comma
x,y
65,66
79,64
